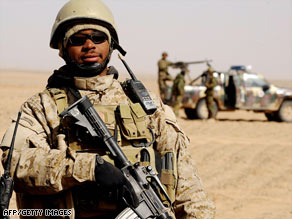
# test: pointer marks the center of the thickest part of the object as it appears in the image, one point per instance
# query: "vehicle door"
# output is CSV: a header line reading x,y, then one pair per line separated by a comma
x,y
257,92
239,90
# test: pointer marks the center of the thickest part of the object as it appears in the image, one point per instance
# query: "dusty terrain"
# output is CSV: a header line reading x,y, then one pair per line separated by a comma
x,y
245,161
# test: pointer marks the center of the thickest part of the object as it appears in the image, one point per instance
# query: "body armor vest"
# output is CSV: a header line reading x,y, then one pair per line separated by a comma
x,y
128,124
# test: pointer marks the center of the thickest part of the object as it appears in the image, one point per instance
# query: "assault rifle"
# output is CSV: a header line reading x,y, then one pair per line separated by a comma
x,y
144,181
6,182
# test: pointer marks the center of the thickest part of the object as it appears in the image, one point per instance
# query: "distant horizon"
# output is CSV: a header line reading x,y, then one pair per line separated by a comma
x,y
250,32
124,74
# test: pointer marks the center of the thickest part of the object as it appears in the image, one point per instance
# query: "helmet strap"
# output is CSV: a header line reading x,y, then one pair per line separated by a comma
x,y
117,46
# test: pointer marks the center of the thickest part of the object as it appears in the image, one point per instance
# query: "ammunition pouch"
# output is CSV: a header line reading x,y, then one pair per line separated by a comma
x,y
169,173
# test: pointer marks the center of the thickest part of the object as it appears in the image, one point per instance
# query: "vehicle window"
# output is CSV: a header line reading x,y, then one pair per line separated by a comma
x,y
254,81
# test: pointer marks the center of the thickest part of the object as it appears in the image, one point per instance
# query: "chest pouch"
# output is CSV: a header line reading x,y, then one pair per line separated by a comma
x,y
107,114
127,123
133,124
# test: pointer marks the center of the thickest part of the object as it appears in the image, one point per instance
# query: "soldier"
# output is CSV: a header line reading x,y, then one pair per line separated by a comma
x,y
163,75
210,83
178,91
56,166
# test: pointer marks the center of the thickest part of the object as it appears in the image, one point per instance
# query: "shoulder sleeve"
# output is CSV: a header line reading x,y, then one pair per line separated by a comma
x,y
191,200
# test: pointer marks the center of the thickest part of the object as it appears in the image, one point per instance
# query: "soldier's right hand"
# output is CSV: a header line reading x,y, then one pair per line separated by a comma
x,y
109,176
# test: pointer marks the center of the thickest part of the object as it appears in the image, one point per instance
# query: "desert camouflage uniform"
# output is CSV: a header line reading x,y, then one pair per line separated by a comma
x,y
46,173
178,92
210,84
163,76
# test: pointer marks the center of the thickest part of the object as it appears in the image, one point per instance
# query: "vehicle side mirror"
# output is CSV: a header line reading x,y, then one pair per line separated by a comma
x,y
266,87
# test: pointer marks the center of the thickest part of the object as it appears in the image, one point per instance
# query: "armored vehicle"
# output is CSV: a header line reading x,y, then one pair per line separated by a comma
x,y
239,89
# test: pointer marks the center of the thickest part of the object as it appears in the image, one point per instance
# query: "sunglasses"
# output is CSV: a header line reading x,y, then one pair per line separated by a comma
x,y
80,38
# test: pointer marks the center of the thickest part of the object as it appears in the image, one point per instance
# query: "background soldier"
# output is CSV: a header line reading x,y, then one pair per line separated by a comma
x,y
178,91
57,165
163,75
210,83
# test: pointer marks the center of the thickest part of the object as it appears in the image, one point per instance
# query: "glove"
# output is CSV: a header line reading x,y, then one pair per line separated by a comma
x,y
109,176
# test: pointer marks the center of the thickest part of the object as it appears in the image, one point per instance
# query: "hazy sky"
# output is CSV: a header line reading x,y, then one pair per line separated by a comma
x,y
230,32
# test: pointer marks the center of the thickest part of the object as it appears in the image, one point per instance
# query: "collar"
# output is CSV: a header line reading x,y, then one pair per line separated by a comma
x,y
63,78
96,83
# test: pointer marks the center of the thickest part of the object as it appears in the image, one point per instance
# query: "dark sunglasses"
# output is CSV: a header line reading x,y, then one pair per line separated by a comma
x,y
80,38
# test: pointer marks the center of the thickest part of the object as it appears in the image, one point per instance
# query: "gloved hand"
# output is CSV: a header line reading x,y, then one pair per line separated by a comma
x,y
109,176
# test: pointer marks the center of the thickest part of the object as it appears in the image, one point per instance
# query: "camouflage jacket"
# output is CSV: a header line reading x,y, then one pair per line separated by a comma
x,y
46,174
210,84
163,67
178,85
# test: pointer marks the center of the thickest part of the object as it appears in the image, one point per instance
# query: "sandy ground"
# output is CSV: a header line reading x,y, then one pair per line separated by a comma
x,y
245,161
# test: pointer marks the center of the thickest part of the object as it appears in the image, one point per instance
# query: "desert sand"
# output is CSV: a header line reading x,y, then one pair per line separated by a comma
x,y
245,162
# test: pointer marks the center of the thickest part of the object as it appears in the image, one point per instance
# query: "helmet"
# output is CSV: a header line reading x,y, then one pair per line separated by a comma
x,y
164,53
82,12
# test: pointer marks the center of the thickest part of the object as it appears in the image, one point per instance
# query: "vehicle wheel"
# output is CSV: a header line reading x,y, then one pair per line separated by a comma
x,y
272,116
191,113
202,111
285,112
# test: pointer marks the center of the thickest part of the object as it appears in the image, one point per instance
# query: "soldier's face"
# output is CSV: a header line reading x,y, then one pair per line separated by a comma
x,y
88,46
